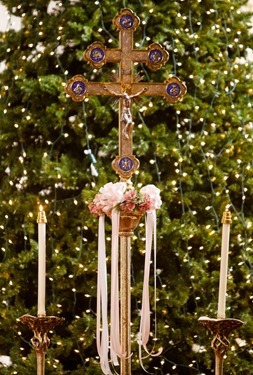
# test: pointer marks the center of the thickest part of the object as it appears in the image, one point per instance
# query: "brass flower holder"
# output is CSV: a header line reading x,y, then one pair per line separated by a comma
x,y
128,223
221,328
40,326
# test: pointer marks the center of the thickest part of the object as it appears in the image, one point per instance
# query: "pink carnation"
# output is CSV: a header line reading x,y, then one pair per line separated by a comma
x,y
130,195
127,206
147,205
95,210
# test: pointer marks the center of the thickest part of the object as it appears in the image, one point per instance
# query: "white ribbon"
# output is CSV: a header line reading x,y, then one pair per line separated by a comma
x,y
144,332
115,345
102,338
102,293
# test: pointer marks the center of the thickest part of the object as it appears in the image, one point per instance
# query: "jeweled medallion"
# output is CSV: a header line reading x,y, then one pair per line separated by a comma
x,y
155,56
78,88
126,164
173,89
126,21
97,55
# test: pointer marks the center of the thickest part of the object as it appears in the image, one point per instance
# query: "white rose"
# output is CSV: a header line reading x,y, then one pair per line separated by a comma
x,y
154,193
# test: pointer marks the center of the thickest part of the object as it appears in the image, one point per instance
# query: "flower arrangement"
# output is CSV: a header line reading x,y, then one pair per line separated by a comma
x,y
126,199
125,205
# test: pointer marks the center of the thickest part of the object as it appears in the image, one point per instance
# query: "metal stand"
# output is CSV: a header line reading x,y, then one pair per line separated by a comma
x,y
125,289
128,222
221,328
40,326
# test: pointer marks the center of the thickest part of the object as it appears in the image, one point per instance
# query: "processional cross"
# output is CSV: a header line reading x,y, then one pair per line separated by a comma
x,y
126,88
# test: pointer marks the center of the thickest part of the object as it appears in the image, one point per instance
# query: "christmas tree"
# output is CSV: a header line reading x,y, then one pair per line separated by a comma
x,y
55,152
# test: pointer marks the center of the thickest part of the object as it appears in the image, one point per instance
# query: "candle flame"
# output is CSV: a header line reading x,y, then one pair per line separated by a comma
x,y
41,208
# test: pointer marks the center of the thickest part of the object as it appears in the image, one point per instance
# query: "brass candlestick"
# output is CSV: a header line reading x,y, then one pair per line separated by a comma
x,y
40,326
221,328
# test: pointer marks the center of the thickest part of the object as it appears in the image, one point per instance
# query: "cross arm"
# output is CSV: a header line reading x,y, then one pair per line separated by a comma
x,y
172,89
97,55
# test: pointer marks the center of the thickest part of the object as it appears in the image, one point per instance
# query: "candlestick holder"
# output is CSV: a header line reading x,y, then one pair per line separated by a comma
x,y
40,326
221,328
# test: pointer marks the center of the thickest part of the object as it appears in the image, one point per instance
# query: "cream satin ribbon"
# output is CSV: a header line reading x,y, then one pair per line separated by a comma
x,y
144,331
102,331
102,294
115,344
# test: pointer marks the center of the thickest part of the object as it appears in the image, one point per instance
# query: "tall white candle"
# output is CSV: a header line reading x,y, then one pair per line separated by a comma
x,y
41,262
226,221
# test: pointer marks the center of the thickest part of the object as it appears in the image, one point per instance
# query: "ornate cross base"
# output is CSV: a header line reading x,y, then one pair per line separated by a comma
x,y
40,326
221,328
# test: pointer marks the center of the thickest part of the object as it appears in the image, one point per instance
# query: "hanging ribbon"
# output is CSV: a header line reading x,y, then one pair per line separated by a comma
x,y
144,332
109,197
102,331
115,345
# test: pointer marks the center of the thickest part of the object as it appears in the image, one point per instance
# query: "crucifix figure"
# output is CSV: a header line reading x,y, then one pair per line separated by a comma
x,y
126,115
126,88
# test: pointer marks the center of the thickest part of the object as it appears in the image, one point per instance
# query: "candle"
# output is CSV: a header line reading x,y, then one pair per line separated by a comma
x,y
41,261
226,221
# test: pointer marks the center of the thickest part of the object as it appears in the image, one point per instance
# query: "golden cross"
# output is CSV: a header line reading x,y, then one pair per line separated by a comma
x,y
126,87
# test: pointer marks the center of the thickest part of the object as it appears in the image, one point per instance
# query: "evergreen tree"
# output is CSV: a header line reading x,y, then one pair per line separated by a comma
x,y
198,152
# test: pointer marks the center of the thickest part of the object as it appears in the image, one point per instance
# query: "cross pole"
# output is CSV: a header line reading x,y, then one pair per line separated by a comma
x,y
126,88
